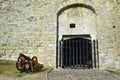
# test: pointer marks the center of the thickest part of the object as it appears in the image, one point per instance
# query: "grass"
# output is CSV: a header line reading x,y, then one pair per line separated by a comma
x,y
116,72
10,70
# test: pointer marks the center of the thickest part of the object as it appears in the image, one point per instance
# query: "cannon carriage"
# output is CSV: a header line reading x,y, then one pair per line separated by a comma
x,y
26,64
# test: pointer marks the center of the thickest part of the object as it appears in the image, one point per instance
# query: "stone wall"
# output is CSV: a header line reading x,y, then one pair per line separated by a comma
x,y
30,26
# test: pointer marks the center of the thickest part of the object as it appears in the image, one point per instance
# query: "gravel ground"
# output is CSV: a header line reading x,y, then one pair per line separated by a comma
x,y
76,74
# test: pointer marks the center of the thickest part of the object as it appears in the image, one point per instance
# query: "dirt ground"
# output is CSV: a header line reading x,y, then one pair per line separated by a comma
x,y
8,71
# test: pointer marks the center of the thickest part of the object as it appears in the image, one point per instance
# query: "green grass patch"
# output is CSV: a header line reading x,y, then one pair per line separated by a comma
x,y
116,72
111,71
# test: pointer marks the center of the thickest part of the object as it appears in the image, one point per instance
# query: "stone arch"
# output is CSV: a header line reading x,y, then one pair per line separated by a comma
x,y
75,5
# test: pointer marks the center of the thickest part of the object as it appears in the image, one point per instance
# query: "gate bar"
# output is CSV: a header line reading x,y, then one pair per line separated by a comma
x,y
73,52
97,54
94,53
76,52
87,54
83,53
65,53
80,59
70,53
60,53
90,44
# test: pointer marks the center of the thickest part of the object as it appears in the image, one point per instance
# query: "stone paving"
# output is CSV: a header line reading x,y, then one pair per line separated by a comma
x,y
76,74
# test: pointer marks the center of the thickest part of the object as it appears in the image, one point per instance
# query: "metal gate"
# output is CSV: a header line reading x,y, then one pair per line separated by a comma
x,y
78,53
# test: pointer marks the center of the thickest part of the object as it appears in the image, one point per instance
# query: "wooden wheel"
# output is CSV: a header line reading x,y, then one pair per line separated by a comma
x,y
20,65
23,64
34,63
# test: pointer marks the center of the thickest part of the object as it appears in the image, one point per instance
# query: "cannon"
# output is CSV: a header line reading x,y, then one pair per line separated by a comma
x,y
25,64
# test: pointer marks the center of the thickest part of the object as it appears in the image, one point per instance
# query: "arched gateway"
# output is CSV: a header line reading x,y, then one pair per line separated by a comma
x,y
77,45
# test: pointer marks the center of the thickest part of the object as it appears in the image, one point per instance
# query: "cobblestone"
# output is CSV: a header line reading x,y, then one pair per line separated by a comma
x,y
75,74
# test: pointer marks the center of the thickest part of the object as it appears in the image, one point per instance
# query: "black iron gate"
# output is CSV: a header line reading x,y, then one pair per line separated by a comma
x,y
78,53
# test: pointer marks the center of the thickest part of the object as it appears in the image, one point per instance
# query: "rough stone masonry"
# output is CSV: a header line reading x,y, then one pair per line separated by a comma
x,y
31,27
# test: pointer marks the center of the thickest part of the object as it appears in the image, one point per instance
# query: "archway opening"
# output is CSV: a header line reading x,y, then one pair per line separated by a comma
x,y
73,21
